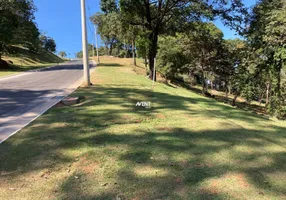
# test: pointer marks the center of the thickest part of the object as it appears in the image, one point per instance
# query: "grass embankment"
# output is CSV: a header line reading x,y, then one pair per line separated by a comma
x,y
24,60
185,147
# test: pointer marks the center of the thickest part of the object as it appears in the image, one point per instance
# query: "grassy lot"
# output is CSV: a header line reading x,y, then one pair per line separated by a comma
x,y
184,147
23,60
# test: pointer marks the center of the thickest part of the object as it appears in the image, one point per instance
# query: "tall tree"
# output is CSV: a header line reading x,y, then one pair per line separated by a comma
x,y
166,16
202,47
109,28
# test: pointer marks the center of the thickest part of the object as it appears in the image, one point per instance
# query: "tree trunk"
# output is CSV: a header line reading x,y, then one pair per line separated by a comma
x,y
106,49
212,86
234,99
125,49
110,49
226,90
267,93
205,90
278,87
133,52
153,38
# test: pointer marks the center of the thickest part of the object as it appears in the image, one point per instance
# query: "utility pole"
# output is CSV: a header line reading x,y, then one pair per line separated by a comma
x,y
97,52
84,45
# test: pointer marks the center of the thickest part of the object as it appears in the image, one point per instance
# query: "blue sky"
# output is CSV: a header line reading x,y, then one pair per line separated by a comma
x,y
61,20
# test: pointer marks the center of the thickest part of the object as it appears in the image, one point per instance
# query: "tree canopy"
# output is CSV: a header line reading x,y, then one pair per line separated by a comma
x,y
17,23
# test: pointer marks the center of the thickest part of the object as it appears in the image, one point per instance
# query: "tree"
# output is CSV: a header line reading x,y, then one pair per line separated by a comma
x,y
48,43
79,54
228,61
16,22
109,28
167,16
201,47
266,34
171,60
62,54
90,51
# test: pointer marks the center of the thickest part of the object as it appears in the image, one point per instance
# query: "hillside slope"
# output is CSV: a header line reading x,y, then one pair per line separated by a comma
x,y
21,59
185,146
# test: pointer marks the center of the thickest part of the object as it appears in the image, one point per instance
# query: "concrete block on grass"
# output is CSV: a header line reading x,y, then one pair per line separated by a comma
x,y
68,101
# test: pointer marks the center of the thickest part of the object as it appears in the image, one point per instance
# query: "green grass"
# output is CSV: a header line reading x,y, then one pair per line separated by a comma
x,y
185,147
24,60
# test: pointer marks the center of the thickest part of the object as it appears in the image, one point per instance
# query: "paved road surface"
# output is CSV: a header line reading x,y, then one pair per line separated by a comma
x,y
26,96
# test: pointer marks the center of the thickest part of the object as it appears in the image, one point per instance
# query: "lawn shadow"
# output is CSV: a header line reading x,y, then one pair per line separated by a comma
x,y
109,65
117,150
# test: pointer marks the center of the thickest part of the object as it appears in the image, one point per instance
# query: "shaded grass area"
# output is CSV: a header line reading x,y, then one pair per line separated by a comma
x,y
184,147
24,60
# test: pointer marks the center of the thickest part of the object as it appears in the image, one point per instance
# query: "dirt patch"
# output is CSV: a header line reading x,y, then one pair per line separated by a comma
x,y
179,181
85,165
164,129
160,116
46,174
89,168
238,178
131,119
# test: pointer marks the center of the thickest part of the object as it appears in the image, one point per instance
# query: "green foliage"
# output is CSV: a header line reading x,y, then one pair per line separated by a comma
x,y
62,54
48,43
91,48
167,17
171,60
203,49
17,25
142,46
186,44
109,27
108,6
267,37
79,54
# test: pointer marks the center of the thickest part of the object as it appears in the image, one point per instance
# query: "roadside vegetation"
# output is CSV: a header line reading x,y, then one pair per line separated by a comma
x,y
186,146
22,46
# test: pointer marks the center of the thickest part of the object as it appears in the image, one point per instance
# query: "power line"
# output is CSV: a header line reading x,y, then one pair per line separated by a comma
x,y
89,21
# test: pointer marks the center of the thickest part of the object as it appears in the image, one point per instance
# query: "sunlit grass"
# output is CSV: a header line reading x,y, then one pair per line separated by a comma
x,y
185,146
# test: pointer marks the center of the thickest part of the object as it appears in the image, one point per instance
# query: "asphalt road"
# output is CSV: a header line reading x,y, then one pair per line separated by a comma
x,y
26,96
